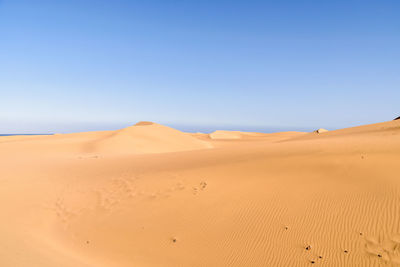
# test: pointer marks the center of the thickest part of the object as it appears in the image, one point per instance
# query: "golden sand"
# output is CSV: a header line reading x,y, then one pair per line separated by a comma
x,y
149,195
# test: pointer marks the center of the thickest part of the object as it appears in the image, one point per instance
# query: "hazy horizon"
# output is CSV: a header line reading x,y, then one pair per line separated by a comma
x,y
83,127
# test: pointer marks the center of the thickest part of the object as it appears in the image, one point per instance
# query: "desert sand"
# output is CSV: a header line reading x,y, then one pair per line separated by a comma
x,y
150,195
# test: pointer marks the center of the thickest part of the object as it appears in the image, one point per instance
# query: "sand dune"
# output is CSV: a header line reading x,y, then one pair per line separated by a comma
x,y
149,195
142,138
147,137
226,135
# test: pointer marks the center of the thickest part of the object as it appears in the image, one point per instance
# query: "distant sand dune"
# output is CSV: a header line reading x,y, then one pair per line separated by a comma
x,y
226,135
121,198
142,138
146,137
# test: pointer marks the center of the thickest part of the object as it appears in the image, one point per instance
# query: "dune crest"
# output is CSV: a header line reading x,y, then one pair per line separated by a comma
x,y
144,123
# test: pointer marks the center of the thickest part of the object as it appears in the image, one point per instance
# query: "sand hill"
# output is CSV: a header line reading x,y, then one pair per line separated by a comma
x,y
115,199
147,137
142,138
226,135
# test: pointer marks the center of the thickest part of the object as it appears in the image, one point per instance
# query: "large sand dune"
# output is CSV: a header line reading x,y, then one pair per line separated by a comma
x,y
147,137
149,195
141,138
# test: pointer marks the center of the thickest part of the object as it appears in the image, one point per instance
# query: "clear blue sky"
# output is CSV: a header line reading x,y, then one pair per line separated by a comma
x,y
70,65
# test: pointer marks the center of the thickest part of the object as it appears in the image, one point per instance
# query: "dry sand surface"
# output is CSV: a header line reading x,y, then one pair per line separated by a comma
x,y
149,195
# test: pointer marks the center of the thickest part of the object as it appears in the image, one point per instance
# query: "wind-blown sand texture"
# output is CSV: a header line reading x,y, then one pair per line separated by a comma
x,y
149,195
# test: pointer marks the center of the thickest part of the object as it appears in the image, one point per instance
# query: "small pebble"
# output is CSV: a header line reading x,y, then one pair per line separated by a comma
x,y
379,255
320,257
345,251
312,262
308,248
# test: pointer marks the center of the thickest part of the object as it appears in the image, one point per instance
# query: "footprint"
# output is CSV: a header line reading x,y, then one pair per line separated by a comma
x,y
387,249
179,186
195,190
203,185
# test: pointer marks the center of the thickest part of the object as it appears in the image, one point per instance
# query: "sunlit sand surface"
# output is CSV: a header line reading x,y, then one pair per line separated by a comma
x,y
150,195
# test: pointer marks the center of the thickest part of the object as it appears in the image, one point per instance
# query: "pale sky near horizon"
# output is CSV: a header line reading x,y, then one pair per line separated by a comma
x,y
68,66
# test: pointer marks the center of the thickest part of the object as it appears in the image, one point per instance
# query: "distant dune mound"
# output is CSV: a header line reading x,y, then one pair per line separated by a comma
x,y
219,134
232,135
147,137
321,130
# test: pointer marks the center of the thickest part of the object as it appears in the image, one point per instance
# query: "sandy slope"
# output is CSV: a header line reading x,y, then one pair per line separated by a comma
x,y
116,199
